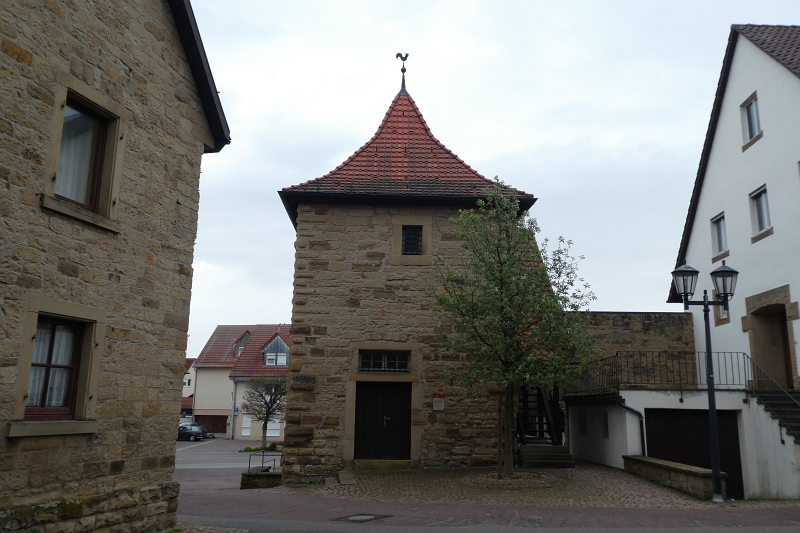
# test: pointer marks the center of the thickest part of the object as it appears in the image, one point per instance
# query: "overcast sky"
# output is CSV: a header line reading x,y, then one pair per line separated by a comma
x,y
597,108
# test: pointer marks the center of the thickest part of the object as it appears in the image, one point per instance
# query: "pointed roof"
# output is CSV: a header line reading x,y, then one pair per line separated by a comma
x,y
403,163
781,43
251,362
219,351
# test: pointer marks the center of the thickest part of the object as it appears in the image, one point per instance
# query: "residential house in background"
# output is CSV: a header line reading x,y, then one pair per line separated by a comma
x,y
105,114
187,396
233,355
743,210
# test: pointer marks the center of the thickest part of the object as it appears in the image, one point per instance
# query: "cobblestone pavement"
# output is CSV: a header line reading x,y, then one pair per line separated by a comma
x,y
588,485
591,498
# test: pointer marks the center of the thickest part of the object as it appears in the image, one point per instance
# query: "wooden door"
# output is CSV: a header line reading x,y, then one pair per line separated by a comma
x,y
383,421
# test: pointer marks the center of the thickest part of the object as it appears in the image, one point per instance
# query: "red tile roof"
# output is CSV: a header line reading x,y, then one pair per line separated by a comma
x,y
188,364
219,350
251,362
403,161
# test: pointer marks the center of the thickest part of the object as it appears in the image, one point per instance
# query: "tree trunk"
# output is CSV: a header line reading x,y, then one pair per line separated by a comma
x,y
508,463
264,435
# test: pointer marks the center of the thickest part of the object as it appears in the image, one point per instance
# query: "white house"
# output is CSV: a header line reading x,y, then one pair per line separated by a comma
x,y
233,355
743,210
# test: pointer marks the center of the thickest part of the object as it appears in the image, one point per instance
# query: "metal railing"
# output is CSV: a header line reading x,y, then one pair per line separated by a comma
x,y
682,371
263,455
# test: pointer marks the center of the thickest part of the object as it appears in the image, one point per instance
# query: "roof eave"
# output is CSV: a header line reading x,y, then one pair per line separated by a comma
x,y
189,34
291,200
707,144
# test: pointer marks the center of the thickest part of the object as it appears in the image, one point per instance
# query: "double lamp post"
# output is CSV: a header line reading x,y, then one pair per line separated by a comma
x,y
724,278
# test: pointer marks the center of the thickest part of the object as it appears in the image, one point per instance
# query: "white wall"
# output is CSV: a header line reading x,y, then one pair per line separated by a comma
x,y
623,434
732,175
188,382
213,389
255,426
769,469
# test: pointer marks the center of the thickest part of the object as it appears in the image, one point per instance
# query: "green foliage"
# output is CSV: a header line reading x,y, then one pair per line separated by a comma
x,y
252,449
514,308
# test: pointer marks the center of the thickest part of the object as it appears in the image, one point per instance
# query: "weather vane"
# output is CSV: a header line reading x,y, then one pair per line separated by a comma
x,y
403,58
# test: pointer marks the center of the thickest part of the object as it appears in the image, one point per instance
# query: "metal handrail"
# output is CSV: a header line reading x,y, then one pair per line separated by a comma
x,y
682,370
263,454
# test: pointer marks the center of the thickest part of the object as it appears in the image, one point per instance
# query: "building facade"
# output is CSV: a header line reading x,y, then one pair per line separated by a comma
x,y
232,356
105,114
365,382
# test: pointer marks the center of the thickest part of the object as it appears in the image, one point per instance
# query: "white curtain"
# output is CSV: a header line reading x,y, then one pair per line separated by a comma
x,y
76,156
59,377
36,380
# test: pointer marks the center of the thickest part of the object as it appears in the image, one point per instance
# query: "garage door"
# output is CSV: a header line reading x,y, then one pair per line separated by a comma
x,y
213,423
681,435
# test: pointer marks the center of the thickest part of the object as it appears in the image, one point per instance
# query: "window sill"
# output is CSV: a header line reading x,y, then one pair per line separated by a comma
x,y
720,256
765,233
65,208
51,427
752,141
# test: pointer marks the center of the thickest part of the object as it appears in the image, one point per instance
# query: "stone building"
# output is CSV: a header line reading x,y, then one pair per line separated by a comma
x,y
364,371
105,113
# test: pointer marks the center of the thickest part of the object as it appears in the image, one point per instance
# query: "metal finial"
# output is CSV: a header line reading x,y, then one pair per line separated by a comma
x,y
403,58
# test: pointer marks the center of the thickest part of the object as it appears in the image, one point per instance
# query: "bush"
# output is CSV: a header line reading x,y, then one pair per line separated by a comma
x,y
252,449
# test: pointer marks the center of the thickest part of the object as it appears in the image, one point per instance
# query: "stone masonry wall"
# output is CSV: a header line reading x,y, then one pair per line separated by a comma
x,y
120,476
349,290
642,331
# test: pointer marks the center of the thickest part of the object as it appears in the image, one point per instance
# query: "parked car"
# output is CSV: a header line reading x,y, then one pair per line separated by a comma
x,y
196,427
189,433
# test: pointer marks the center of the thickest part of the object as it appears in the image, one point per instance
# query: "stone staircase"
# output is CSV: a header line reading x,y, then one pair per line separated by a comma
x,y
781,407
545,456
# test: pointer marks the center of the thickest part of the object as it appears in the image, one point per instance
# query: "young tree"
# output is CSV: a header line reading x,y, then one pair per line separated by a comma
x,y
515,308
264,399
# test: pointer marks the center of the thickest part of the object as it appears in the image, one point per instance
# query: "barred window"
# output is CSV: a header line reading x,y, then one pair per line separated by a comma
x,y
412,240
384,361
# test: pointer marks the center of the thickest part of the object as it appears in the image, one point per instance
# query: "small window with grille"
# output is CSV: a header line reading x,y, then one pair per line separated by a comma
x,y
412,240
384,361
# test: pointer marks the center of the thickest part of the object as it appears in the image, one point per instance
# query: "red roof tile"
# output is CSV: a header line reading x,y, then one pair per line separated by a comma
x,y
218,351
251,362
403,160
188,364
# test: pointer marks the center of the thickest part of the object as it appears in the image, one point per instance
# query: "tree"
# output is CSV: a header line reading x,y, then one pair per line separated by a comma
x,y
265,400
515,309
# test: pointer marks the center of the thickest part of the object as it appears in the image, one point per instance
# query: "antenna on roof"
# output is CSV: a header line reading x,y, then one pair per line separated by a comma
x,y
403,58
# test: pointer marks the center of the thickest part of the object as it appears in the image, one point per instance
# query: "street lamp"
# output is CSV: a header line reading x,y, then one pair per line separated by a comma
x,y
685,279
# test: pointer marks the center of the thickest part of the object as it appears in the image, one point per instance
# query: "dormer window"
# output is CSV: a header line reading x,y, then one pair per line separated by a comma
x,y
240,344
276,352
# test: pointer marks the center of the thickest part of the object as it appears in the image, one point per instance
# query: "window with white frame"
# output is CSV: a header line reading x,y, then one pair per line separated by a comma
x,y
276,352
719,238
241,343
759,209
273,429
751,121
247,421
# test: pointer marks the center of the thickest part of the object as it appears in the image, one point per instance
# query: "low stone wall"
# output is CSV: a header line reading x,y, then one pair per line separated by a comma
x,y
125,510
688,479
261,479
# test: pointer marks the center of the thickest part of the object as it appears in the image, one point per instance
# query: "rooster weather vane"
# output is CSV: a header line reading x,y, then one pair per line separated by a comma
x,y
403,58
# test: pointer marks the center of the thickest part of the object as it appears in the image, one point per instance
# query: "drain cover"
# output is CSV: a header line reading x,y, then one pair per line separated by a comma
x,y
361,518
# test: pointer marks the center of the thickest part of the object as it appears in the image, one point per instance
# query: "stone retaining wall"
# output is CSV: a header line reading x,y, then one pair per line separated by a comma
x,y
688,479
